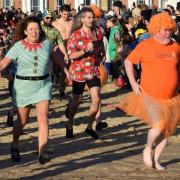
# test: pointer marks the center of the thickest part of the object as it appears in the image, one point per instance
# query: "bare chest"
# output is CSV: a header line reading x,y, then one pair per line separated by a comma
x,y
65,29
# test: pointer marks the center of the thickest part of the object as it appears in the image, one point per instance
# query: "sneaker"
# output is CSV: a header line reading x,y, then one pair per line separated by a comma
x,y
44,158
69,133
101,125
15,155
92,133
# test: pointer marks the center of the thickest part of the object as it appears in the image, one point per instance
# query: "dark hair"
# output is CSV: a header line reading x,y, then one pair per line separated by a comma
x,y
146,14
178,6
118,4
77,19
172,8
112,19
167,10
23,24
65,7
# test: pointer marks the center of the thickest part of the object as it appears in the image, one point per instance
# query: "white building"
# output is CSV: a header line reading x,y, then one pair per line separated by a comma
x,y
27,5
86,2
164,3
161,3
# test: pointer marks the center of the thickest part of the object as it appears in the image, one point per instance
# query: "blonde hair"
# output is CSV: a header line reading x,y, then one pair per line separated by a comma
x,y
159,21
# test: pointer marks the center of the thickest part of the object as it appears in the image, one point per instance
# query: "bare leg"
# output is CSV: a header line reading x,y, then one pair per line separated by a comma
x,y
153,134
95,105
72,108
98,114
160,145
42,117
23,114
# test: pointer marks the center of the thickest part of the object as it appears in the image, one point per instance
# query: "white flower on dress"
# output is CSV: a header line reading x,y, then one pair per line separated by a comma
x,y
80,43
88,76
78,69
87,64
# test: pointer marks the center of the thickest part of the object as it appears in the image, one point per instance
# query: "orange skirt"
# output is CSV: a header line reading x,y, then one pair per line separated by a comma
x,y
162,114
103,74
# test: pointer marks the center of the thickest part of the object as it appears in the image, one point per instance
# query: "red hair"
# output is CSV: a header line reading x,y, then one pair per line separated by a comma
x,y
97,11
159,21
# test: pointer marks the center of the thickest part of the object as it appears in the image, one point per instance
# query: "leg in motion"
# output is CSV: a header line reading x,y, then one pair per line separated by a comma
x,y
153,134
70,113
43,131
23,114
99,124
94,109
160,145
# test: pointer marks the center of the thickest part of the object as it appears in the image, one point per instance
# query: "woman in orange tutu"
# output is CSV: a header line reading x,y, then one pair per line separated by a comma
x,y
156,100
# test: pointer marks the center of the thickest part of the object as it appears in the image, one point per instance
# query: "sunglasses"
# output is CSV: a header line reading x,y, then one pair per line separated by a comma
x,y
48,18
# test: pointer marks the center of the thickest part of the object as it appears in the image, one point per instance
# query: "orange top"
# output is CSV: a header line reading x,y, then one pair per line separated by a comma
x,y
159,63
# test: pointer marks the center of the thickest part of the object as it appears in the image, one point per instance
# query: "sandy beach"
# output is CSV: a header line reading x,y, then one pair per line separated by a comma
x,y
117,155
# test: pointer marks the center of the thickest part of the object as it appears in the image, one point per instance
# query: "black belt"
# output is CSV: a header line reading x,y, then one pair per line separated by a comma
x,y
32,78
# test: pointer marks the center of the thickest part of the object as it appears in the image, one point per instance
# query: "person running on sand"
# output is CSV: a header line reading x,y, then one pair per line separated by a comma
x,y
31,51
64,26
156,100
84,68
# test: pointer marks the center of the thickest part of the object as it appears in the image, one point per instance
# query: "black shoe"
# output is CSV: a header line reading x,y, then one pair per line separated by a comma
x,y
101,125
10,119
92,133
44,158
69,133
15,155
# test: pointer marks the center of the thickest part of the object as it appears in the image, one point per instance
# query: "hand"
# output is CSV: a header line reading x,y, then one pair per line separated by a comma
x,y
90,47
67,74
128,26
136,88
119,49
103,61
66,58
10,77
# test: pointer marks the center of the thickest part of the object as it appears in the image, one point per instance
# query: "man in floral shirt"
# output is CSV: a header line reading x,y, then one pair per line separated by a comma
x,y
85,58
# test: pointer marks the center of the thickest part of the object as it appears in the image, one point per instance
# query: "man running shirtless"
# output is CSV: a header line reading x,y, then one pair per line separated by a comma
x,y
63,25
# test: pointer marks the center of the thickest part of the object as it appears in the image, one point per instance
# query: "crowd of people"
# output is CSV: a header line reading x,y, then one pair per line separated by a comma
x,y
130,48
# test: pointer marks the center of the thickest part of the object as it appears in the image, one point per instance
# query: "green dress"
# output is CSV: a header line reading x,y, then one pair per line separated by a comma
x,y
31,60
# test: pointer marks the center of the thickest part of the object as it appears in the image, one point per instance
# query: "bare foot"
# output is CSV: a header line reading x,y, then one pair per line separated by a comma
x,y
147,157
159,167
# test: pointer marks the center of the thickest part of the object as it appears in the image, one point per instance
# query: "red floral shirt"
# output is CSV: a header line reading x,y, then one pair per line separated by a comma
x,y
86,67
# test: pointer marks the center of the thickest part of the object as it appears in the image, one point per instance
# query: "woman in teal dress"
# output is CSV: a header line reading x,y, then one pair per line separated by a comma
x,y
32,84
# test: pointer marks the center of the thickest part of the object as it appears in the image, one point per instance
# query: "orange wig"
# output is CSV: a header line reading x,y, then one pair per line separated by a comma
x,y
159,21
97,11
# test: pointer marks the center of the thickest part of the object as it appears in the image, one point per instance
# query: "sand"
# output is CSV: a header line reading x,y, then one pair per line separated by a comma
x,y
116,155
